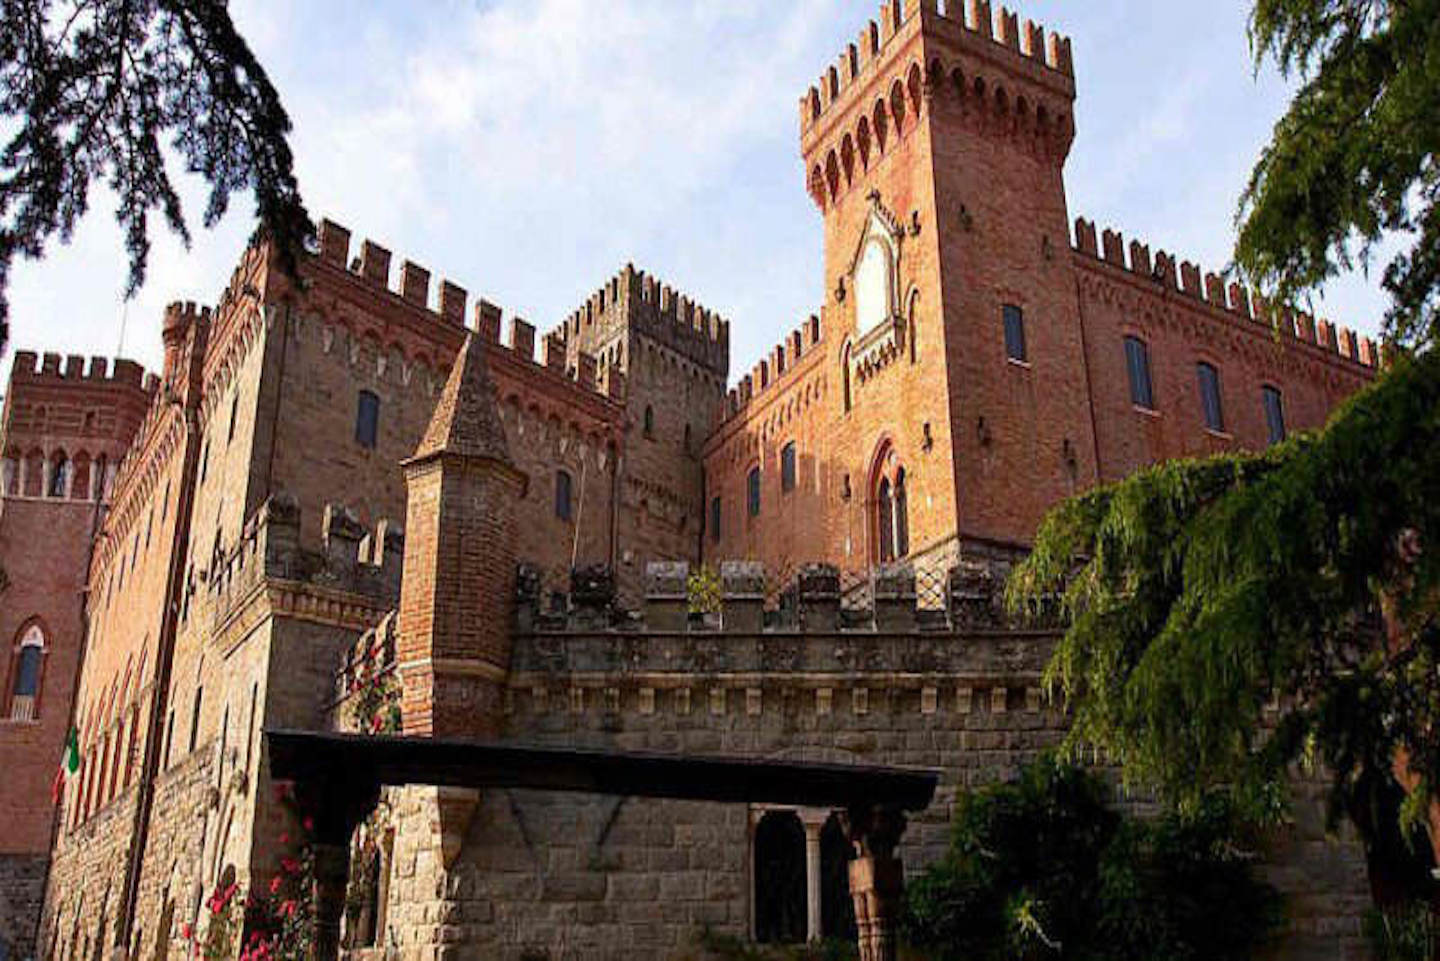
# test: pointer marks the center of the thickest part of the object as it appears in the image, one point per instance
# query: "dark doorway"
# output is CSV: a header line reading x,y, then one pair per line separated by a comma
x,y
780,879
837,910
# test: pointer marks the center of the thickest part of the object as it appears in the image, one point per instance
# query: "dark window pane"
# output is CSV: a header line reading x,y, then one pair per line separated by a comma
x,y
715,519
787,467
27,679
1137,363
902,517
367,419
1014,333
1209,379
752,491
886,510
1274,414
562,496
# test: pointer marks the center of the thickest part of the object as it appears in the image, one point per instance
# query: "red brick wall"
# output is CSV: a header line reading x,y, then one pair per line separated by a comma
x,y
969,173
44,548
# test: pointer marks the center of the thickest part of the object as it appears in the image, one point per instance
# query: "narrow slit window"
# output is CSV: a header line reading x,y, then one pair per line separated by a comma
x,y
752,491
564,493
787,467
1014,319
367,419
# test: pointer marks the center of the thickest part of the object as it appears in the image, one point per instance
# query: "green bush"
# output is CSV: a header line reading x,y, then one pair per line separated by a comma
x,y
1046,868
1403,932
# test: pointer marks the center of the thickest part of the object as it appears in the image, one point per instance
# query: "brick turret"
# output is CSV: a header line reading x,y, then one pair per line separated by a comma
x,y
454,648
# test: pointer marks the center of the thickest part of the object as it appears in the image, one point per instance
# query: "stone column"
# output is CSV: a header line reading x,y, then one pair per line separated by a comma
x,y
814,822
877,878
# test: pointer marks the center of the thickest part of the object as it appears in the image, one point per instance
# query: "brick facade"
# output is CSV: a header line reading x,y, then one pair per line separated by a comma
x,y
307,477
66,426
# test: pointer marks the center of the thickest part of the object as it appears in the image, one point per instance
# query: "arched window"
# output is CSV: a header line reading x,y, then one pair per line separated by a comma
x,y
11,474
59,485
26,673
1210,403
780,911
752,492
874,279
80,482
34,482
890,500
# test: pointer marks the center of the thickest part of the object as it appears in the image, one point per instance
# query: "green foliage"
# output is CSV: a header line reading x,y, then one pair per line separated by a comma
x,y
89,89
1198,593
704,590
1405,932
1044,868
1354,159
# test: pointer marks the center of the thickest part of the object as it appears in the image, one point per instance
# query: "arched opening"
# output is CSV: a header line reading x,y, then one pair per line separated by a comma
x,y
27,672
780,916
34,483
837,908
11,473
59,475
80,482
889,507
881,125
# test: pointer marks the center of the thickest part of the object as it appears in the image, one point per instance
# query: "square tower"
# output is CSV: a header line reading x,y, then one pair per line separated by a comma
x,y
935,149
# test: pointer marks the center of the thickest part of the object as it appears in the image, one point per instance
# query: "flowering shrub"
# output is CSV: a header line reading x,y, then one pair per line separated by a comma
x,y
375,699
220,935
280,917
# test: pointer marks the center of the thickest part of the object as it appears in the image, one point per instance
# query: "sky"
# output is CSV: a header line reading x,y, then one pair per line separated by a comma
x,y
528,150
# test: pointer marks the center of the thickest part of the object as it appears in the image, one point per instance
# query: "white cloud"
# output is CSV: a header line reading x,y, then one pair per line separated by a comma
x,y
528,149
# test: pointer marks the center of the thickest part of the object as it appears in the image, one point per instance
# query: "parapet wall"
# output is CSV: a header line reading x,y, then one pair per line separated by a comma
x,y
355,560
28,367
658,311
772,369
1002,27
1231,298
371,269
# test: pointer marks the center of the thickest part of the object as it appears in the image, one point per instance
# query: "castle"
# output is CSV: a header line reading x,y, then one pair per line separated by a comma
x,y
349,505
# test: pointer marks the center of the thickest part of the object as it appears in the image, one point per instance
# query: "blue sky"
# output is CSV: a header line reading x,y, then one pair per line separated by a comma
x,y
527,150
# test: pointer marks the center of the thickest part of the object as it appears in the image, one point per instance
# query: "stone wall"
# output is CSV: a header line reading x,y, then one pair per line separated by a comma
x,y
22,892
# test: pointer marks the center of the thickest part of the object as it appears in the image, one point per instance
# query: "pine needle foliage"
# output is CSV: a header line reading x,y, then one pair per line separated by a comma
x,y
1356,157
1224,616
97,89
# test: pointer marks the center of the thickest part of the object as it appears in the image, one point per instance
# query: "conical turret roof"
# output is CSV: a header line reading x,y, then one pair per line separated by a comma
x,y
466,422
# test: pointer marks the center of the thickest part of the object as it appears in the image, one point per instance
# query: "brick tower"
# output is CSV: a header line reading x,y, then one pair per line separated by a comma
x,y
459,580
935,148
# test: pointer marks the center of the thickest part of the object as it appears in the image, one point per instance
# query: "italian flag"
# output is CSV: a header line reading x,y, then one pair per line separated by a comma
x,y
69,764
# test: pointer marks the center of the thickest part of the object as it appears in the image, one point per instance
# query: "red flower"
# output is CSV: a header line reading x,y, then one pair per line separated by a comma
x,y
287,909
285,837
289,865
275,883
308,824
186,931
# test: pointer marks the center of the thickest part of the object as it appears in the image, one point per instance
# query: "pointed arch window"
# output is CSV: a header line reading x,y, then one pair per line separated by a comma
x,y
59,485
890,499
26,674
874,284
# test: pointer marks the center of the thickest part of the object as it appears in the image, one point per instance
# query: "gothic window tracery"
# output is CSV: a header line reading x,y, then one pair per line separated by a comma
x,y
890,508
26,673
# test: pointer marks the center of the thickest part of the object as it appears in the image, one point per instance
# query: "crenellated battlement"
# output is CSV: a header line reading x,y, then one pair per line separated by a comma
x,y
1189,280
967,596
355,560
371,270
1030,43
31,367
634,299
777,366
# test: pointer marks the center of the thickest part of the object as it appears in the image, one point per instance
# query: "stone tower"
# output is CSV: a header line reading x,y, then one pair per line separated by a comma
x,y
459,580
935,147
671,357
